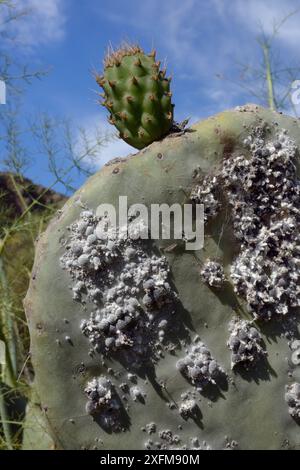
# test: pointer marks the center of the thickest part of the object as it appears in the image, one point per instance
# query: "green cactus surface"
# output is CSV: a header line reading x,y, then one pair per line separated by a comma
x,y
140,344
36,435
137,95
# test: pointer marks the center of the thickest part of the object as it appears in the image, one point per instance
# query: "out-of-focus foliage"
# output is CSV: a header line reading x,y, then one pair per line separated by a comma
x,y
25,209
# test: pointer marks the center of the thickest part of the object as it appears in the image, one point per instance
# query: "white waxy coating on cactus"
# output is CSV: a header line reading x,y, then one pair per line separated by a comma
x,y
188,408
199,367
137,394
104,404
166,439
151,428
207,193
126,282
245,343
206,311
295,347
292,397
212,273
263,193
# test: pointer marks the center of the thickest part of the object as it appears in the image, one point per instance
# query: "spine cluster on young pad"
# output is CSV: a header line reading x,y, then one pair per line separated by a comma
x,y
137,95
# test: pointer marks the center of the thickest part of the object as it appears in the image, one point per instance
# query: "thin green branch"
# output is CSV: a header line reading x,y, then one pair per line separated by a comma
x,y
269,76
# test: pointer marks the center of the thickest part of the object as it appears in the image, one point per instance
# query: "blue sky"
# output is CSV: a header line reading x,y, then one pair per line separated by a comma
x,y
197,38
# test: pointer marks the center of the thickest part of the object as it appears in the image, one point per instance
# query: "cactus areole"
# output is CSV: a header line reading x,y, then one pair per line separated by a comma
x,y
139,346
137,95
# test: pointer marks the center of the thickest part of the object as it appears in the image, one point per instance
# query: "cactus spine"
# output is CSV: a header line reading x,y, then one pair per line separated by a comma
x,y
137,95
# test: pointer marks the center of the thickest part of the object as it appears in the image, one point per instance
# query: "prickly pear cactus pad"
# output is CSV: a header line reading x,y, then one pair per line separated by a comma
x,y
142,343
137,95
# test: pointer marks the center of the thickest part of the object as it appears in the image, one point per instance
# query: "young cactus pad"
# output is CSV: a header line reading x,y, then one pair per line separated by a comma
x,y
132,346
137,95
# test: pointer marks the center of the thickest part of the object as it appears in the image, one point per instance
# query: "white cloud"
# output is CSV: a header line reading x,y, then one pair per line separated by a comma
x,y
229,39
190,27
257,13
204,38
189,34
43,21
113,147
116,148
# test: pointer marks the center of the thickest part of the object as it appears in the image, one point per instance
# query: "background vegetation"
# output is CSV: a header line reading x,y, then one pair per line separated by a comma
x,y
25,207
